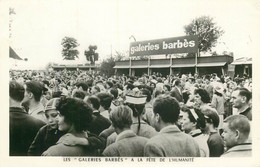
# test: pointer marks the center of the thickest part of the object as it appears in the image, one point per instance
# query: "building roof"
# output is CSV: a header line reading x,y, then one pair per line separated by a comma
x,y
243,60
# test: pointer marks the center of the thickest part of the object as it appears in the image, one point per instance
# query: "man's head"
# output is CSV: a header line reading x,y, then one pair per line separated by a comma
x,y
105,100
166,111
33,92
16,91
240,97
236,130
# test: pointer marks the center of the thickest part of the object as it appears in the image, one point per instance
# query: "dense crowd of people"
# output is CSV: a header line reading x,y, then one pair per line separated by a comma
x,y
83,113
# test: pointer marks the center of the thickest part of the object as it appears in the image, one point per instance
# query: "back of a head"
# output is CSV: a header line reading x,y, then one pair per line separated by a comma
x,y
240,123
167,107
121,117
84,85
76,112
94,101
203,94
16,91
211,116
105,99
114,92
35,88
79,94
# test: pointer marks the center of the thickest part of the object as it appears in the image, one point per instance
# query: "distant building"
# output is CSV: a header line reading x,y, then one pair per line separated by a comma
x,y
205,65
72,65
243,66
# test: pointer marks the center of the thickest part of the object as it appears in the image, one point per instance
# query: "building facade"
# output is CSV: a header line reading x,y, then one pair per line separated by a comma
x,y
204,65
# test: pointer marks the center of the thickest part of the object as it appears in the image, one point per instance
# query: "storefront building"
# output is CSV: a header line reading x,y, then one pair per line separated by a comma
x,y
204,65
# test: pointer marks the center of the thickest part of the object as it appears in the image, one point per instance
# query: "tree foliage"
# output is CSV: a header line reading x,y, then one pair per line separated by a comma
x,y
107,67
91,54
69,51
207,30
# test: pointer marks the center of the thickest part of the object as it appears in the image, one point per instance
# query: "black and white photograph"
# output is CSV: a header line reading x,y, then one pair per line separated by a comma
x,y
130,83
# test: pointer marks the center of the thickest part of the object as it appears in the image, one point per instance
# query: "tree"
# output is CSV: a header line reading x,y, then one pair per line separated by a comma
x,y
91,55
107,67
207,30
69,51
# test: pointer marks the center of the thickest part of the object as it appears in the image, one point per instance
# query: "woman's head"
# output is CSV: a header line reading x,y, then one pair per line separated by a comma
x,y
75,115
121,117
201,96
192,119
51,112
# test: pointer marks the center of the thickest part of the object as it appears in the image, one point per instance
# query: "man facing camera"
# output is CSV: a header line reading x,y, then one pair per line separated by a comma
x,y
170,142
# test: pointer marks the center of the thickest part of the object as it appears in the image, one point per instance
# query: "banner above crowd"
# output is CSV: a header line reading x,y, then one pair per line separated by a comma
x,y
185,44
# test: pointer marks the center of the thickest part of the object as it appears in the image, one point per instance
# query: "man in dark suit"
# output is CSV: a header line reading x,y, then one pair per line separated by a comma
x,y
177,91
23,127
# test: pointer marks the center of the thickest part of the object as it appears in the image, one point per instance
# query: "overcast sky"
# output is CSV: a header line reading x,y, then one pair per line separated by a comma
x,y
39,26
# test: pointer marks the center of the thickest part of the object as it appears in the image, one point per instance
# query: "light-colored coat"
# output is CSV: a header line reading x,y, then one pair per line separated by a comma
x,y
171,142
127,144
244,150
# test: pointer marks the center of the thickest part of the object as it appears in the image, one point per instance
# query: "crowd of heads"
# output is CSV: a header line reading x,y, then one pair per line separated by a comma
x,y
70,98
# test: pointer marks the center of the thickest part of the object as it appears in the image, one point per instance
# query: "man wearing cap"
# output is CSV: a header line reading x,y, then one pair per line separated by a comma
x,y
32,97
235,135
23,127
170,142
240,99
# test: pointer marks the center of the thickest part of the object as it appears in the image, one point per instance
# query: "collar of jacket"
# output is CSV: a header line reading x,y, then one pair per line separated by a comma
x,y
169,129
16,109
125,134
195,132
240,147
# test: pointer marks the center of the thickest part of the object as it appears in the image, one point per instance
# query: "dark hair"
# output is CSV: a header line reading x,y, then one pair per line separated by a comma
x,y
16,91
211,116
105,100
146,92
35,88
83,85
244,92
76,112
177,82
167,107
137,109
203,94
94,101
157,93
110,84
79,94
200,121
114,92
168,87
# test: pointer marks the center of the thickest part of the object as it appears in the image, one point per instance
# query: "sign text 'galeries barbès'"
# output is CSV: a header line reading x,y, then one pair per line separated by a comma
x,y
185,44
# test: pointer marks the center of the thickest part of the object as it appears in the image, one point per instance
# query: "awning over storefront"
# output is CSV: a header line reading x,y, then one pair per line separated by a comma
x,y
211,64
121,67
139,66
160,66
242,61
182,65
